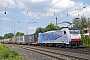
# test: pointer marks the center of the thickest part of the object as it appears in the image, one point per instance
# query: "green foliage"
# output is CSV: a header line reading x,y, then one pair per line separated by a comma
x,y
1,37
13,54
19,34
88,22
9,35
39,30
51,27
47,28
80,23
6,53
86,40
5,36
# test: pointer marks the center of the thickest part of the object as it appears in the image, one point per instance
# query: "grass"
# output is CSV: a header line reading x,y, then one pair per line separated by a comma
x,y
7,54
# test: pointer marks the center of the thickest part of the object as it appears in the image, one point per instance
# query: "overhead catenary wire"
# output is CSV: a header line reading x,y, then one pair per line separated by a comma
x,y
9,4
1,5
66,14
75,12
31,8
48,9
45,10
27,11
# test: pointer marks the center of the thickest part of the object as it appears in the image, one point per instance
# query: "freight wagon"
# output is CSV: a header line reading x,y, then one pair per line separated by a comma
x,y
27,39
65,37
21,40
33,39
13,40
6,41
2,41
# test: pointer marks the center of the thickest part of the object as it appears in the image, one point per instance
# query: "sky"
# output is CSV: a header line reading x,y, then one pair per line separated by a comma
x,y
27,15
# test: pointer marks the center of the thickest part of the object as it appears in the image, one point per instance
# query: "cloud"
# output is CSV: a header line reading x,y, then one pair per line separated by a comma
x,y
5,28
34,1
6,19
62,5
11,3
33,5
81,11
42,7
31,14
7,4
86,11
2,12
32,28
65,7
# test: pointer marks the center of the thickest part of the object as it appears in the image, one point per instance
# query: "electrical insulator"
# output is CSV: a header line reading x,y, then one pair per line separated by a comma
x,y
5,12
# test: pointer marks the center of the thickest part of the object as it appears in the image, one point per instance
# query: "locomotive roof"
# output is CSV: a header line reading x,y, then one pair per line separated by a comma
x,y
73,28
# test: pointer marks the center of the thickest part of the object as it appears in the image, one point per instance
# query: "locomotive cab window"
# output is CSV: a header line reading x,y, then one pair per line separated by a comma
x,y
64,32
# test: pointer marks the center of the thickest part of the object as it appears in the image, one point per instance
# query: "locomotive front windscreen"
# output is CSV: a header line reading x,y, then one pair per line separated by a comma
x,y
74,31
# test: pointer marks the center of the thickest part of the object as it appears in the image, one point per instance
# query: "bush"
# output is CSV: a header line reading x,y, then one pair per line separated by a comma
x,y
6,53
86,40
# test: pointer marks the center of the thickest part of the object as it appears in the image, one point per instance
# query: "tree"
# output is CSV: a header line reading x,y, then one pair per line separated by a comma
x,y
80,23
1,37
84,22
39,30
51,27
19,34
89,26
47,28
5,36
88,22
9,35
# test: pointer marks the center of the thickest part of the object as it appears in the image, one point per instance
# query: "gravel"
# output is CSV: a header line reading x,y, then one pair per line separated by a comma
x,y
31,55
68,53
36,56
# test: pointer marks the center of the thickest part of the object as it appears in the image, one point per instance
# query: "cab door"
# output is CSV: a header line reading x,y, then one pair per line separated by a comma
x,y
64,38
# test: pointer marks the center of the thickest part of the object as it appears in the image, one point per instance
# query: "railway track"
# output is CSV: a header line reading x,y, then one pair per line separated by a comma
x,y
81,50
53,53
